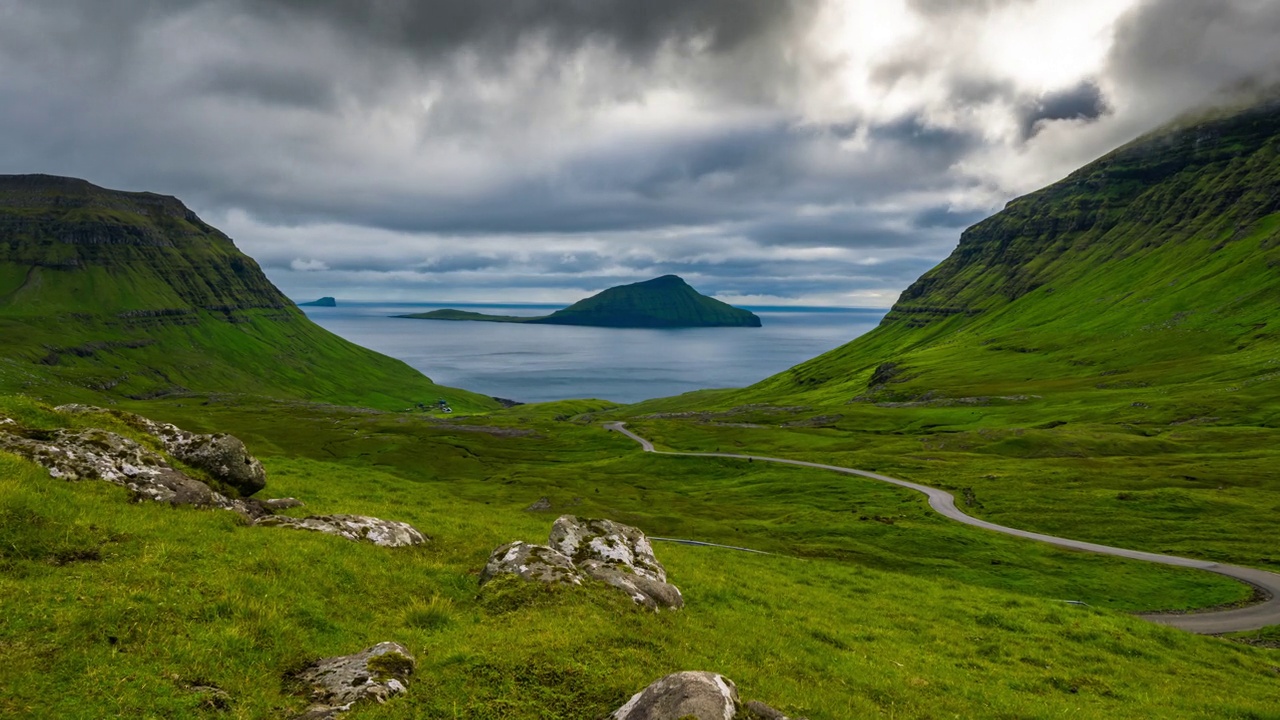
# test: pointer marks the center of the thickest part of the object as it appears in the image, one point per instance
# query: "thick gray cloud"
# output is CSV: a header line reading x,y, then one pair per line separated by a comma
x,y
1184,51
1083,102
436,28
798,150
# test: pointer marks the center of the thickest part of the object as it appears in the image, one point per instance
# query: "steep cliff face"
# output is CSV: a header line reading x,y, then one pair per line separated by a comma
x,y
131,294
1157,265
78,232
1154,196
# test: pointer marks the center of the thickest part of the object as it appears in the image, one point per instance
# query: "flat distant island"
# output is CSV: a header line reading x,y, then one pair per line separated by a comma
x,y
665,302
322,302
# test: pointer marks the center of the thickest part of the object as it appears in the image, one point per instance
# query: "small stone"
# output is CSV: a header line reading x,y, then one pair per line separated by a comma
x,y
283,503
214,698
540,504
757,710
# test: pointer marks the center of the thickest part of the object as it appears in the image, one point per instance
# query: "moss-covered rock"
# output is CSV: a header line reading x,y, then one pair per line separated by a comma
x,y
336,683
358,528
615,554
223,456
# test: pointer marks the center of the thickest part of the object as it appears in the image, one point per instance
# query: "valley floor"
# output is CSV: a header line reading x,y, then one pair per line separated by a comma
x,y
873,606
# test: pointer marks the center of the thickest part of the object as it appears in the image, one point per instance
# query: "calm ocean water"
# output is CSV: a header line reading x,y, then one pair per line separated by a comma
x,y
535,363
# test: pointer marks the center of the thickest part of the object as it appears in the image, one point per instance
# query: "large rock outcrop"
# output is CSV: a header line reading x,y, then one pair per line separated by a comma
x,y
336,684
100,455
696,695
223,456
613,553
358,528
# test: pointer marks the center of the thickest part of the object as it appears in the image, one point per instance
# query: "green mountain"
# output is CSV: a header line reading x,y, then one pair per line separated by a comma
x,y
131,295
322,302
1153,267
664,302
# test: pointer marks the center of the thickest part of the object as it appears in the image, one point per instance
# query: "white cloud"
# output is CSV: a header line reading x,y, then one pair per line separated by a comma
x,y
300,265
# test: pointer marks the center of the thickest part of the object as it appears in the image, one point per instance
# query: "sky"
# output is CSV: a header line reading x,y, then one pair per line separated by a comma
x,y
802,152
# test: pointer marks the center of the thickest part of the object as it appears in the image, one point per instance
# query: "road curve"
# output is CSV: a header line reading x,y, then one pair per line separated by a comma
x,y
1211,622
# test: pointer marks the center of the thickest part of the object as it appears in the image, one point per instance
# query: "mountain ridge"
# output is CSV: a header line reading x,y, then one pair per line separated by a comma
x,y
1156,263
132,295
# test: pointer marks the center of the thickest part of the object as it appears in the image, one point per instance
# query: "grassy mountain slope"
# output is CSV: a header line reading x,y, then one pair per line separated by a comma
x,y
1155,266
663,302
132,295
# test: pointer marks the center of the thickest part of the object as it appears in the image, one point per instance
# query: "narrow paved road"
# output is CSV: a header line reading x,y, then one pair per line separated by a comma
x,y
1214,622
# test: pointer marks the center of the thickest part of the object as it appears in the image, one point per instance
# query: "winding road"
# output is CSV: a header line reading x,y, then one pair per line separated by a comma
x,y
1210,622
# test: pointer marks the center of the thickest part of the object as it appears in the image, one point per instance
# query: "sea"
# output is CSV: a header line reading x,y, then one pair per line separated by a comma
x,y
537,363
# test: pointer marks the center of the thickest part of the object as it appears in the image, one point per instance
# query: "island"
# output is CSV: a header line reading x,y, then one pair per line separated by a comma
x,y
664,302
322,302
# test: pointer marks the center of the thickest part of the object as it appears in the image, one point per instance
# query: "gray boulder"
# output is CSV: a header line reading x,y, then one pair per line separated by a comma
x,y
617,554
531,562
336,684
606,541
359,528
610,552
222,456
101,455
701,695
651,593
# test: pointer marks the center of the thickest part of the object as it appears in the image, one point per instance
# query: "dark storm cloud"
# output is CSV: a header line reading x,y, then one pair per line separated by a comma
x,y
1189,49
291,87
752,177
434,28
1084,102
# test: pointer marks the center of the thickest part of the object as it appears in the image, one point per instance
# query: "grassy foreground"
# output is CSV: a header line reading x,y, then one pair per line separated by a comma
x,y
115,609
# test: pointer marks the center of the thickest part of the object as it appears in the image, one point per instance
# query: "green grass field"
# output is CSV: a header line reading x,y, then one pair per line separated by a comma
x,y
116,609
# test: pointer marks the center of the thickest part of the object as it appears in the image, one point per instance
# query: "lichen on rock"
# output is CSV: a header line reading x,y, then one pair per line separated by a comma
x,y
697,695
101,455
610,552
608,542
359,528
223,456
700,695
531,562
335,684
